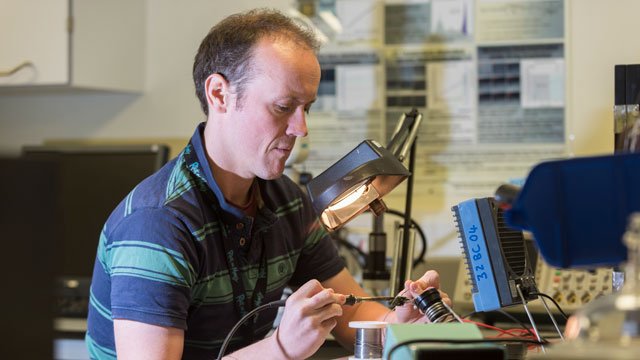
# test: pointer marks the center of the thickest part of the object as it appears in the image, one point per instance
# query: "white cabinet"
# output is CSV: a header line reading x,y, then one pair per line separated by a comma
x,y
72,44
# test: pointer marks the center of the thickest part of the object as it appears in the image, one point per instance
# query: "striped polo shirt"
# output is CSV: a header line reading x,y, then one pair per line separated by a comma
x,y
161,257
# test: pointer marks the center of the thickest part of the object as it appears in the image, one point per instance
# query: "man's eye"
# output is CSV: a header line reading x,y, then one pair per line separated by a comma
x,y
282,108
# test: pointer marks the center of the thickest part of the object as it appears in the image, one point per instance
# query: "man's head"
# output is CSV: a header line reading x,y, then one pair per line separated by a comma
x,y
254,120
228,48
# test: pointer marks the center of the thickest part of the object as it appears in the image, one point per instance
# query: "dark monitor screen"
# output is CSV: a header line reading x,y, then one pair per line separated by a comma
x,y
92,180
26,227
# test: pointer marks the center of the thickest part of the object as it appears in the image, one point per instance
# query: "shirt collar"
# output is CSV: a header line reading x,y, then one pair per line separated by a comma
x,y
201,154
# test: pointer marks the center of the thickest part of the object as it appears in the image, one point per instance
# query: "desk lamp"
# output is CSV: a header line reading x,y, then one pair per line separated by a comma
x,y
359,180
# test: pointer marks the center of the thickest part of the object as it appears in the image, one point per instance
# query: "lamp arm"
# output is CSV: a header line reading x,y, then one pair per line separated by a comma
x,y
398,133
408,144
405,134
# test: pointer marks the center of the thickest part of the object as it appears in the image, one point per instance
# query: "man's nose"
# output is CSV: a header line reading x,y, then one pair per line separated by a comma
x,y
298,124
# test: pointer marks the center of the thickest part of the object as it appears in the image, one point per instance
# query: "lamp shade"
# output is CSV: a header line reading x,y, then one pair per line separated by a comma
x,y
355,183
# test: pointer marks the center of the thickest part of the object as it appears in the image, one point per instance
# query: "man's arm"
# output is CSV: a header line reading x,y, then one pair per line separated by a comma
x,y
311,310
140,341
136,340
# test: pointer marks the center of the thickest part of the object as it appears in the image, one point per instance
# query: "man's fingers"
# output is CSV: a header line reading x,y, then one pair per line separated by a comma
x,y
326,297
329,324
414,288
445,298
430,279
329,312
309,289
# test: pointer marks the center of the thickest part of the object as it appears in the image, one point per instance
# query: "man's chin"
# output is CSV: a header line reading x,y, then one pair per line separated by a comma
x,y
272,175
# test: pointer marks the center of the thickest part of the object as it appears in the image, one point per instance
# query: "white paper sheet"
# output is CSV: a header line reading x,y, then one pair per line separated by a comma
x,y
541,83
360,20
357,87
451,85
451,17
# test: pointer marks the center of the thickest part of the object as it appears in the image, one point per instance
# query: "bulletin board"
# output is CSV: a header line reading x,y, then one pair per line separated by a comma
x,y
488,76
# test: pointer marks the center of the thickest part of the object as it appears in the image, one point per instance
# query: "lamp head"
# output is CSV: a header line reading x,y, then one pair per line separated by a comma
x,y
355,183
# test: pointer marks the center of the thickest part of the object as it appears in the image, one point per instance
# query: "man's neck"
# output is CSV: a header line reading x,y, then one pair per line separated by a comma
x,y
235,189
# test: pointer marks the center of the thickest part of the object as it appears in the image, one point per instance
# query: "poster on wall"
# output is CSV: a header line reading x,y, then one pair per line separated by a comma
x,y
488,76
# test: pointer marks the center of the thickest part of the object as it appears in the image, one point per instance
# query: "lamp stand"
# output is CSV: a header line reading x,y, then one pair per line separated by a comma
x,y
375,277
403,261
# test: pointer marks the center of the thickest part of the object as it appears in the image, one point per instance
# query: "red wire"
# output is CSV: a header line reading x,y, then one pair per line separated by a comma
x,y
520,332
502,331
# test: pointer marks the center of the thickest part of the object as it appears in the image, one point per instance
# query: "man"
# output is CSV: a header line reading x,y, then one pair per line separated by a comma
x,y
218,231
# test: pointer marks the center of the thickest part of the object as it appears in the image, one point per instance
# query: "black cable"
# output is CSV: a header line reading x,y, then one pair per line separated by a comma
x,y
469,315
423,237
235,328
552,300
461,341
357,253
416,261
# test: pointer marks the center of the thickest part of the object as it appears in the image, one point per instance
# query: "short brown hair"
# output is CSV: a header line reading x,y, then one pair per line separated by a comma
x,y
227,49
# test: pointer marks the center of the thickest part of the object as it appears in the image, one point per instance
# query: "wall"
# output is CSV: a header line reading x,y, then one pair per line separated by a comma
x,y
168,106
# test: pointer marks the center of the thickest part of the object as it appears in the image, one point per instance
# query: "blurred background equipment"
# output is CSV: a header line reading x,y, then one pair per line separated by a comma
x,y
90,182
626,109
294,166
577,209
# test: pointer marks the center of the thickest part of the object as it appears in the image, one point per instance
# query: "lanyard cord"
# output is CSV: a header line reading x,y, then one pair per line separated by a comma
x,y
233,257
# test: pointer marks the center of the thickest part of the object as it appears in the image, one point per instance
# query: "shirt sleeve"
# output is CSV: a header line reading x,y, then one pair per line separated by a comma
x,y
150,261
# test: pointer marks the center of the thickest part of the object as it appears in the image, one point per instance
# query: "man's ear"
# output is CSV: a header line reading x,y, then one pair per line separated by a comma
x,y
217,91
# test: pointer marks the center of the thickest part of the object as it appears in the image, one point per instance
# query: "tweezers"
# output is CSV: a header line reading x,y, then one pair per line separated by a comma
x,y
393,300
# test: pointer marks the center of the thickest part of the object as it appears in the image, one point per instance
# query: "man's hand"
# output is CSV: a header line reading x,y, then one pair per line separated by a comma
x,y
412,289
309,315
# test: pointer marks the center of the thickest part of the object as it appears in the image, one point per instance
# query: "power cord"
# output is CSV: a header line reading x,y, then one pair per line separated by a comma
x,y
423,237
356,252
553,301
225,343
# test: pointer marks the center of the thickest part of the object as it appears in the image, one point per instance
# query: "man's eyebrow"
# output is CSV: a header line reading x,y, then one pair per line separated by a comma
x,y
297,100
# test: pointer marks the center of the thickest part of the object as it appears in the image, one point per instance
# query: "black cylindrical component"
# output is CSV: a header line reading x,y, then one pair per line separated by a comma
x,y
376,263
632,84
430,303
620,85
619,107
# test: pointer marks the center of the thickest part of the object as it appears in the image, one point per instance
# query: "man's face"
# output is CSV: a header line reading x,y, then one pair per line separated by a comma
x,y
261,131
